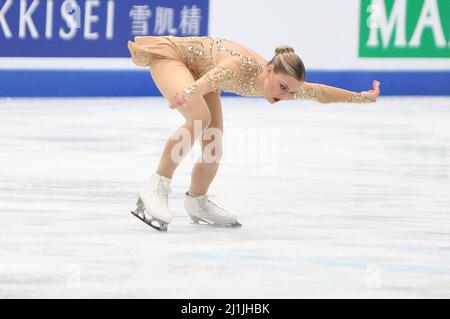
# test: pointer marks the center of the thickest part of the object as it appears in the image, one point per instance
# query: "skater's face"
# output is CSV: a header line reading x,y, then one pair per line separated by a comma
x,y
280,86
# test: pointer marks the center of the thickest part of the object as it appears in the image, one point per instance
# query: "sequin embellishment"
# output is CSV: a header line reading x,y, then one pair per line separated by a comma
x,y
218,76
357,98
201,57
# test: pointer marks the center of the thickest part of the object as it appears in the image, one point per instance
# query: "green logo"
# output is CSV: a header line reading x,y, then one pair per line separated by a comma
x,y
405,28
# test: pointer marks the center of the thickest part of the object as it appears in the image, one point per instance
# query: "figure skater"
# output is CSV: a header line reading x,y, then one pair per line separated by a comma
x,y
191,72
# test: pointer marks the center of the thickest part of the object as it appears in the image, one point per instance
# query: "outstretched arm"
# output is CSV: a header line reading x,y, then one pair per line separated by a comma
x,y
329,94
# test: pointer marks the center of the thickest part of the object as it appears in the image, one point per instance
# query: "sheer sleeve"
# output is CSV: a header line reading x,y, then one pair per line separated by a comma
x,y
328,94
215,79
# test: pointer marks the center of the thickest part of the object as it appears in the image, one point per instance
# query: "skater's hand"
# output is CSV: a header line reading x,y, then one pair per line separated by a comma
x,y
179,99
372,95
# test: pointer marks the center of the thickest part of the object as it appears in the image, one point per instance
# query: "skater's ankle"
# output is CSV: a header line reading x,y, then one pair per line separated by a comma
x,y
164,175
191,194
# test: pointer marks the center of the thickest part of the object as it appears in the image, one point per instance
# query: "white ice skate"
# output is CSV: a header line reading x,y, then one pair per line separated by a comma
x,y
152,204
204,210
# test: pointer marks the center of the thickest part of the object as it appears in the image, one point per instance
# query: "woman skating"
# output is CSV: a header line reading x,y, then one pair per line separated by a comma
x,y
191,72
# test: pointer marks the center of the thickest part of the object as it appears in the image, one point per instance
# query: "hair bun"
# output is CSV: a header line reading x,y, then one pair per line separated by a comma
x,y
284,49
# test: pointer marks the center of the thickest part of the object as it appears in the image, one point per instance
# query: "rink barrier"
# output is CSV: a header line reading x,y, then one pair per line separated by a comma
x,y
90,83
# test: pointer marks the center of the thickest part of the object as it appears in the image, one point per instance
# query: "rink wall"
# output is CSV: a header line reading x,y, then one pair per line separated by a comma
x,y
404,44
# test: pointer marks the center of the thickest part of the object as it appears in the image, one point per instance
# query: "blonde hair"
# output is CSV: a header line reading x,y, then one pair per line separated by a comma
x,y
287,61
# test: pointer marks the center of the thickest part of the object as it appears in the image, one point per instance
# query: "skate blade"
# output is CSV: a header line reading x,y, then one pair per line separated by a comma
x,y
152,222
200,221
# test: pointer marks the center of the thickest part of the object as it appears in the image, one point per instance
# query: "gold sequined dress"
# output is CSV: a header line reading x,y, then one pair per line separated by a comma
x,y
218,68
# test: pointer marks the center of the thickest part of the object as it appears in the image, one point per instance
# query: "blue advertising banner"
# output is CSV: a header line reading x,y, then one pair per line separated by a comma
x,y
93,28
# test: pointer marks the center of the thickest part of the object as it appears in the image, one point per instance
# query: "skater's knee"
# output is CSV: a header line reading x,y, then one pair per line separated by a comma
x,y
205,117
196,112
200,119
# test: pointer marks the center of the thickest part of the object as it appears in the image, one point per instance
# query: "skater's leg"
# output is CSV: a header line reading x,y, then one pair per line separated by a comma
x,y
206,167
172,76
201,207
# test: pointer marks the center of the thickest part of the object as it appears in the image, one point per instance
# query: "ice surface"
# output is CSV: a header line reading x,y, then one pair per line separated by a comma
x,y
335,200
